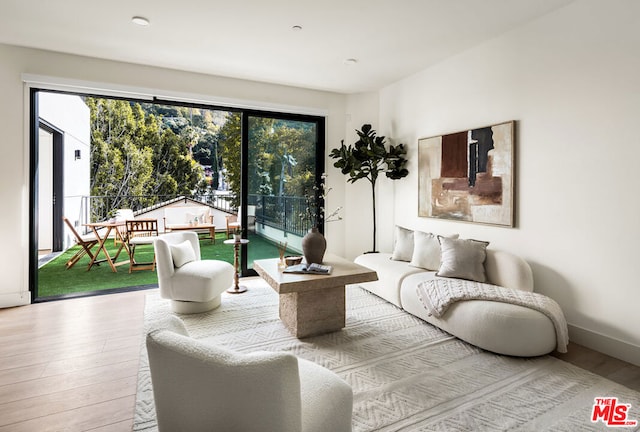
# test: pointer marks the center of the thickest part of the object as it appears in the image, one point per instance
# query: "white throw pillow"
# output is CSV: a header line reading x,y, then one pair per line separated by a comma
x,y
426,250
182,253
463,259
403,247
196,216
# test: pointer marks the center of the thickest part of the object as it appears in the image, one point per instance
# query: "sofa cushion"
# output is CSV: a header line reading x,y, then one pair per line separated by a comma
x,y
182,253
463,259
426,250
502,328
508,270
403,246
390,275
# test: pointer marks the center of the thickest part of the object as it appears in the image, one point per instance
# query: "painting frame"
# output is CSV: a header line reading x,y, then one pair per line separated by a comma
x,y
469,176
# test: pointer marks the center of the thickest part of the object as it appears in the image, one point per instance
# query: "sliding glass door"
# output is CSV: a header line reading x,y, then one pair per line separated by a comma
x,y
152,159
284,161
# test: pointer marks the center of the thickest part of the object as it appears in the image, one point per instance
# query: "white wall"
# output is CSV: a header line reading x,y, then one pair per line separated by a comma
x,y
14,181
571,81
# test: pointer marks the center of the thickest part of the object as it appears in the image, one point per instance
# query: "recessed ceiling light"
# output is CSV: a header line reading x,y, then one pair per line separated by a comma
x,y
350,61
141,21
296,28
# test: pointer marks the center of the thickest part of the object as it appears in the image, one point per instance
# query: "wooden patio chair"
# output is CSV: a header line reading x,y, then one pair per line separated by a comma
x,y
232,224
121,231
86,243
141,231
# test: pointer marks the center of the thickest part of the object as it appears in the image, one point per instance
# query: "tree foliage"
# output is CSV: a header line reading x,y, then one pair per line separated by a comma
x,y
159,150
229,138
133,155
281,160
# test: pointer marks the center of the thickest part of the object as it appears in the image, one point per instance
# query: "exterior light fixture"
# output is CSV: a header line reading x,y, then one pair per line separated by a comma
x,y
76,154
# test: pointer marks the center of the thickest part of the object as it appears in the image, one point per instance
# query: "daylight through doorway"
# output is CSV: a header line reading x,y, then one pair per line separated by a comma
x,y
143,157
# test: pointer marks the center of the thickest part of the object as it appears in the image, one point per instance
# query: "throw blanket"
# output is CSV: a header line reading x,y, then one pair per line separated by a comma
x,y
438,294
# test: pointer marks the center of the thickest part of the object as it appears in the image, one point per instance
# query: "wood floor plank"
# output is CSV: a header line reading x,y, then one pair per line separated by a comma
x,y
124,426
601,364
88,418
68,381
9,376
67,400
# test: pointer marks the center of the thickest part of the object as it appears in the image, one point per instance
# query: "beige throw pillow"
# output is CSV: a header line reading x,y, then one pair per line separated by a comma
x,y
463,259
426,250
403,247
182,253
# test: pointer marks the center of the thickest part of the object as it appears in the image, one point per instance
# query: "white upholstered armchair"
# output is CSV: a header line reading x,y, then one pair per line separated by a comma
x,y
200,387
192,284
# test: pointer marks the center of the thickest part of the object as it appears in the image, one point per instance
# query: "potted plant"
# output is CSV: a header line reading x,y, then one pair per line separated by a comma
x,y
367,158
314,244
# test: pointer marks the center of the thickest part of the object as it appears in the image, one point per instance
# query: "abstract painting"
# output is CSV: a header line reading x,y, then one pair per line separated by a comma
x,y
468,176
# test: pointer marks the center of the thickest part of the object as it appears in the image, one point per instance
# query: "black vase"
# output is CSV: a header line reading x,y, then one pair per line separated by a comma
x,y
313,246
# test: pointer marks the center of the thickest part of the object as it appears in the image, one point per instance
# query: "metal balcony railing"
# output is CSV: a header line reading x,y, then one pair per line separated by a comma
x,y
279,212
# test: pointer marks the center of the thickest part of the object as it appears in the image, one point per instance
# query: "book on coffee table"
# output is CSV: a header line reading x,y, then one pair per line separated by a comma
x,y
309,269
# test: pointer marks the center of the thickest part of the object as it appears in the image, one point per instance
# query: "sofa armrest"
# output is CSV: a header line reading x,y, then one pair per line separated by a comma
x,y
508,270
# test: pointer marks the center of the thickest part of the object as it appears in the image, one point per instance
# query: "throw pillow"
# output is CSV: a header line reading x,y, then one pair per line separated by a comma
x,y
195,217
182,253
463,259
403,247
426,250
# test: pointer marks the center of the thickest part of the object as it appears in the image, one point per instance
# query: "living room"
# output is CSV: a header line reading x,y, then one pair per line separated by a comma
x,y
567,78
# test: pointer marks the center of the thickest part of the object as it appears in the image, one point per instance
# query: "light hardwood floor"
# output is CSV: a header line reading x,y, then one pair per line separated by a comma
x,y
71,365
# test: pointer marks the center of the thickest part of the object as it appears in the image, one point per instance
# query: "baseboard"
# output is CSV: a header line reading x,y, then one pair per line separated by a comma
x,y
605,344
15,299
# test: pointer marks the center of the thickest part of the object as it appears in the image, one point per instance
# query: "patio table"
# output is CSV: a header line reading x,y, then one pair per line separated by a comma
x,y
108,226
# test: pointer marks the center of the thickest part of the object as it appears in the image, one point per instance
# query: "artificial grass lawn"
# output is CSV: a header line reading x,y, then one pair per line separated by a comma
x,y
54,279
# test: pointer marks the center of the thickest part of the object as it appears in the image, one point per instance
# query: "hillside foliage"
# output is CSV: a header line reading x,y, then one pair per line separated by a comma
x,y
145,150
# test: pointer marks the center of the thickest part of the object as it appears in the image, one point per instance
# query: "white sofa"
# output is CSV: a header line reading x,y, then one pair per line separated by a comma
x,y
185,215
499,327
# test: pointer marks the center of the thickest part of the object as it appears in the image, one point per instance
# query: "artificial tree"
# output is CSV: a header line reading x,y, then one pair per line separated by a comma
x,y
367,158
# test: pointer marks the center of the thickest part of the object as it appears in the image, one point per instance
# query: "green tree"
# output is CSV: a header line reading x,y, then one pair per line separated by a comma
x,y
133,154
229,139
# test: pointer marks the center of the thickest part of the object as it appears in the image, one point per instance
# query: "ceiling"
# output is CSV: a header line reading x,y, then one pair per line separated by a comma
x,y
255,39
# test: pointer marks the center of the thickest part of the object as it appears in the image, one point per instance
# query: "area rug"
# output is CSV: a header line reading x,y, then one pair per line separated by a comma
x,y
406,375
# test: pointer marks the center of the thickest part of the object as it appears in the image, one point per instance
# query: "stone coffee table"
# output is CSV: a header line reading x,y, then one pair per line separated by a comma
x,y
312,304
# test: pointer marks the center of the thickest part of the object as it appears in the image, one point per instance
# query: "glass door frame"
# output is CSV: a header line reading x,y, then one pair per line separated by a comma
x,y
244,164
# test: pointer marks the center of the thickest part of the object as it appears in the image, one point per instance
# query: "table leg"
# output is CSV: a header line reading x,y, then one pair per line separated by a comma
x,y
124,244
236,289
102,247
312,313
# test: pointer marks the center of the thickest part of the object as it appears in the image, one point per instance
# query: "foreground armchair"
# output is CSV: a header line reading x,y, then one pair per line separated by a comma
x,y
193,285
200,387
